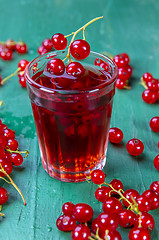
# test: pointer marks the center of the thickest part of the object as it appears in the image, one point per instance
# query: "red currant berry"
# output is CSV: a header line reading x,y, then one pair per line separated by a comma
x,y
10,44
115,135
149,96
147,76
3,195
117,185
21,47
21,74
152,84
139,234
2,151
153,198
112,205
22,82
47,44
126,218
154,124
123,73
22,64
8,134
59,41
95,225
66,223
143,203
155,186
120,60
145,220
56,66
102,193
7,166
12,144
75,69
6,54
67,208
81,232
134,147
126,57
120,84
16,159
130,194
115,235
82,212
41,50
7,156
80,49
156,162
2,127
97,176
3,141
107,221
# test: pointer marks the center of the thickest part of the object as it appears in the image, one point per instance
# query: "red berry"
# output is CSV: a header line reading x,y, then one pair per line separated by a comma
x,y
82,212
154,124
134,147
66,223
112,205
143,203
149,96
155,186
115,135
3,195
137,233
75,69
152,84
153,198
80,49
22,82
117,185
7,156
6,54
126,218
2,151
41,50
156,162
8,134
81,232
21,47
115,235
130,194
12,144
10,44
124,73
67,208
16,159
22,64
121,60
147,76
56,66
102,193
120,84
59,41
145,220
97,176
7,166
47,44
107,221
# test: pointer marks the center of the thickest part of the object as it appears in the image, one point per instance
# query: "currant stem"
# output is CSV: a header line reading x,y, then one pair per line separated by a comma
x,y
142,82
1,214
69,35
11,182
1,102
20,152
11,75
95,237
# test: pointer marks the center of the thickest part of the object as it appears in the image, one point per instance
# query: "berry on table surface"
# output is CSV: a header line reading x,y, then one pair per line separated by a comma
x,y
16,159
112,205
153,197
130,194
155,186
144,204
137,233
66,223
47,44
156,162
117,185
81,232
115,135
82,212
102,193
21,47
134,147
154,124
126,218
3,195
67,208
97,176
145,220
147,76
150,96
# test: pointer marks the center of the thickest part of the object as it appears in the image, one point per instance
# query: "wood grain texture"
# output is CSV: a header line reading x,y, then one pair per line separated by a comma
x,y
128,26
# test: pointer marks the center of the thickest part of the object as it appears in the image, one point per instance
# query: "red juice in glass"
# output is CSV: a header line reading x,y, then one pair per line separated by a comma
x,y
72,115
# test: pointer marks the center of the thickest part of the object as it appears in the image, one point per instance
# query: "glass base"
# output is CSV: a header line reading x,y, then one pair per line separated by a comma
x,y
72,176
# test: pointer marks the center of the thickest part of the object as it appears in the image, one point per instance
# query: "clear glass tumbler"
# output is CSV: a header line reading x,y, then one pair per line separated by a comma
x,y
72,125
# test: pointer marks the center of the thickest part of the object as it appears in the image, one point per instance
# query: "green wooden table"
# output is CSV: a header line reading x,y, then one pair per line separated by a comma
x,y
128,26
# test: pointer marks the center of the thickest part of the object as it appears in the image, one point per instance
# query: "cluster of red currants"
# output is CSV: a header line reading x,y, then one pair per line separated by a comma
x,y
124,70
9,156
151,84
7,48
135,146
114,199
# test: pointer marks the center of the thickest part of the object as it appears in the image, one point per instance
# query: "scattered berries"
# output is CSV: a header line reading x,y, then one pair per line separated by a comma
x,y
115,135
134,147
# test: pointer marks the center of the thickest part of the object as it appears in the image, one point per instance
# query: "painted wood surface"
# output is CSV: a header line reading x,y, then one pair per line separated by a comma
x,y
128,26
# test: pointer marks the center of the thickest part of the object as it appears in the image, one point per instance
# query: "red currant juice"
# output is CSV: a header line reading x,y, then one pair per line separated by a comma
x,y
73,128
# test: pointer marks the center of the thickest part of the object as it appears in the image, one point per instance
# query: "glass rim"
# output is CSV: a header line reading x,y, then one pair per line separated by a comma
x,y
34,84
